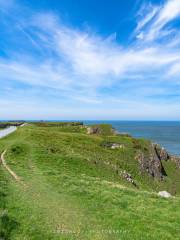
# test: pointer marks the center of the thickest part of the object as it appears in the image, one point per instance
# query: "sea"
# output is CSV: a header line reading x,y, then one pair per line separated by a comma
x,y
166,133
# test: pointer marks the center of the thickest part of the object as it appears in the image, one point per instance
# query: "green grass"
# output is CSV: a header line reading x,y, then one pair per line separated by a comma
x,y
70,190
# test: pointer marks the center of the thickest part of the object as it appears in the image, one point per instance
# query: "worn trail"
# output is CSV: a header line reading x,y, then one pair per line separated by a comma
x,y
12,173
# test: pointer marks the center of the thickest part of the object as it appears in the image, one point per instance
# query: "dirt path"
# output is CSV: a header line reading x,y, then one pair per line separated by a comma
x,y
2,159
13,174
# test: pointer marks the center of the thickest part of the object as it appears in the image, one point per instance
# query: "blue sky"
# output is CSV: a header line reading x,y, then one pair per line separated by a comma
x,y
89,59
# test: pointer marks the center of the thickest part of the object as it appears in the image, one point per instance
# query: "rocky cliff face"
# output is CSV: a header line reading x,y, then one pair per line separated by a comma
x,y
151,162
161,152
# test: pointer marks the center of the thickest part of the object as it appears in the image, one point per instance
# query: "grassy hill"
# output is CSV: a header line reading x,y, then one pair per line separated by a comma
x,y
73,187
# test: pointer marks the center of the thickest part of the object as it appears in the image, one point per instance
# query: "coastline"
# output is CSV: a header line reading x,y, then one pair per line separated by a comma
x,y
164,133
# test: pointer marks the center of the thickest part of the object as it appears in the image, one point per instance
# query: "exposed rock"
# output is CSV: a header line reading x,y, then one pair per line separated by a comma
x,y
122,173
128,177
164,194
112,145
161,152
176,160
164,155
89,130
101,129
151,163
94,130
117,145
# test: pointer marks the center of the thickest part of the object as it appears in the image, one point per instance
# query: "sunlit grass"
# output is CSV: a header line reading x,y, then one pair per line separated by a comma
x,y
68,191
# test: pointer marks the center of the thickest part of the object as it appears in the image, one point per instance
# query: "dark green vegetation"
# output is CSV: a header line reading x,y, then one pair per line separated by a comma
x,y
70,187
58,124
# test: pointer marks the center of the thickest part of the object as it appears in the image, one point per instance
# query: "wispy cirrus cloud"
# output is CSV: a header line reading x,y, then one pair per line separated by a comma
x,y
74,54
152,25
145,15
83,67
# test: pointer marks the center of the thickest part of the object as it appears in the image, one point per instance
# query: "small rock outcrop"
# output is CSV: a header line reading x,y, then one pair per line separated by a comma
x,y
151,162
93,130
165,156
101,129
161,152
122,173
117,145
176,160
164,194
128,177
112,145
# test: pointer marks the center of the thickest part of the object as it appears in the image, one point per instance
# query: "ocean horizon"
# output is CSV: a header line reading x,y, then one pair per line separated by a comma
x,y
165,133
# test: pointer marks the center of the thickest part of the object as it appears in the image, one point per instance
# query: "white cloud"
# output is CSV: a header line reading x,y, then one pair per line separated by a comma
x,y
168,12
151,12
92,56
80,65
157,18
175,70
136,110
83,60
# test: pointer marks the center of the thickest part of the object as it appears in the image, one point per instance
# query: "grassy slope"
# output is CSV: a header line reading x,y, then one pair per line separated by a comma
x,y
68,192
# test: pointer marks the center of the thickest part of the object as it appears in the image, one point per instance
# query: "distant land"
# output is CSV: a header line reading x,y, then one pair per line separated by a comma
x,y
166,133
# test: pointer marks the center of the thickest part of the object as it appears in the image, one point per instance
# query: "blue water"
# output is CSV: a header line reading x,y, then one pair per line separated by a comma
x,y
167,134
